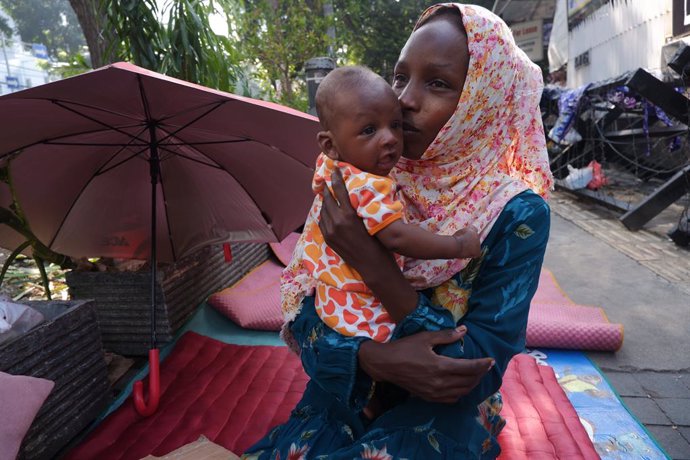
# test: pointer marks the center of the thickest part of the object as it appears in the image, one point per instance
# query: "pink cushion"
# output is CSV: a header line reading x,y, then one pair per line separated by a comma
x,y
254,301
541,423
20,399
283,250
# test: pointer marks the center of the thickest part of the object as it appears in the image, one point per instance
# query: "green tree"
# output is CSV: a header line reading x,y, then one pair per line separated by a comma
x,y
50,22
5,28
182,45
372,33
278,37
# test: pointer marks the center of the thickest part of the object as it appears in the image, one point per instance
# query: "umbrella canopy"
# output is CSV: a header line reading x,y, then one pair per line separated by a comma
x,y
82,152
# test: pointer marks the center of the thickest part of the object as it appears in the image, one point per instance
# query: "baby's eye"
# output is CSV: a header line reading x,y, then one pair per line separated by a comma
x,y
368,130
397,124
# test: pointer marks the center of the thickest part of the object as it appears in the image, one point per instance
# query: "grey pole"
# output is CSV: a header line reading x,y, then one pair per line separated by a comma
x,y
316,69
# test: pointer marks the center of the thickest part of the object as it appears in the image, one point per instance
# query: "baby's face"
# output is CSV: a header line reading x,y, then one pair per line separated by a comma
x,y
368,130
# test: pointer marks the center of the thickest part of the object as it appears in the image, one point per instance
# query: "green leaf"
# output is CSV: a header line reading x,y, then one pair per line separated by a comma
x,y
433,441
307,435
523,231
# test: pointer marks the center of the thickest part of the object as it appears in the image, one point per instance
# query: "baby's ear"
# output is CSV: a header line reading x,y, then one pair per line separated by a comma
x,y
325,140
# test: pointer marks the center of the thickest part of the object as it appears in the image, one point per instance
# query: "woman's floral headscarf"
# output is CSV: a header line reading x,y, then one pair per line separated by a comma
x,y
491,148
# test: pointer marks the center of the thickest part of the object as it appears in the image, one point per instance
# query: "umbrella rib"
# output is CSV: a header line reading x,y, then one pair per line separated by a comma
x,y
136,154
74,202
178,154
100,109
194,120
43,141
222,168
233,141
94,144
113,128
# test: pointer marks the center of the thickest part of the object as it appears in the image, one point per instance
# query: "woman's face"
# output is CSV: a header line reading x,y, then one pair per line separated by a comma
x,y
428,80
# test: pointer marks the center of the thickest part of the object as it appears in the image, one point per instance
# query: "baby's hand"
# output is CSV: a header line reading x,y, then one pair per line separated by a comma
x,y
468,240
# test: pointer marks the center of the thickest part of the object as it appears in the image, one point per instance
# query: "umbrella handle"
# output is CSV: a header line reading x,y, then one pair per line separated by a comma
x,y
146,409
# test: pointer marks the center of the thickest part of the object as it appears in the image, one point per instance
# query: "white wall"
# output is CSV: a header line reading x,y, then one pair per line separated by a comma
x,y
21,63
622,35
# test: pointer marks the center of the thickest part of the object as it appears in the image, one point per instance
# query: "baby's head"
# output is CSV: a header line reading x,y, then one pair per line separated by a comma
x,y
361,120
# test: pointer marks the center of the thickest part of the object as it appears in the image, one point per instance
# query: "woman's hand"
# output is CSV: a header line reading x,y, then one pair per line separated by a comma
x,y
412,364
345,233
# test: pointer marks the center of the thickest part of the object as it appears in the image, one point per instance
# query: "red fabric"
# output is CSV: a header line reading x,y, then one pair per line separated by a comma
x,y
541,422
283,250
234,394
227,252
254,301
555,321
231,394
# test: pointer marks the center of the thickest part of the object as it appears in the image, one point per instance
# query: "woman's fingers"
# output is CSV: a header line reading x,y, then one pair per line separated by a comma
x,y
444,337
340,191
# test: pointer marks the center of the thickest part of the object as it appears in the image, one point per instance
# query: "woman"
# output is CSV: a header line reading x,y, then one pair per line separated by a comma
x,y
474,154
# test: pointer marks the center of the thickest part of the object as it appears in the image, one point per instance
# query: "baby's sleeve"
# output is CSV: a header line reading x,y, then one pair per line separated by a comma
x,y
373,197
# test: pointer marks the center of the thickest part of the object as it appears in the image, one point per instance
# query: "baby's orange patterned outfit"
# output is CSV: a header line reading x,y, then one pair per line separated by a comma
x,y
343,301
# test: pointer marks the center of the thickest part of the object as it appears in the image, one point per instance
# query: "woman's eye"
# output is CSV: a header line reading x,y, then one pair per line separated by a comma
x,y
368,130
399,80
439,84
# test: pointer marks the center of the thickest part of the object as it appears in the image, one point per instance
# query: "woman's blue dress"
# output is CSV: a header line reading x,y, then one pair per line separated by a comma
x,y
491,296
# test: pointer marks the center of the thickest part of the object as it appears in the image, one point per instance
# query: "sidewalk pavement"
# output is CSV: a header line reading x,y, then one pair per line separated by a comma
x,y
641,280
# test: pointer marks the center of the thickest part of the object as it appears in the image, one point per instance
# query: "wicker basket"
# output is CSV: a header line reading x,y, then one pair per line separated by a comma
x,y
123,299
67,350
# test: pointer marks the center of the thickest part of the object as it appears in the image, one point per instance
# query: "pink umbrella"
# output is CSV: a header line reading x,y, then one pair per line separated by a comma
x,y
127,163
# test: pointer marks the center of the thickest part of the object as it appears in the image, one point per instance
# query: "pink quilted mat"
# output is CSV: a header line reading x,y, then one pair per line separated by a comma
x,y
557,322
283,250
234,394
254,301
541,423
231,394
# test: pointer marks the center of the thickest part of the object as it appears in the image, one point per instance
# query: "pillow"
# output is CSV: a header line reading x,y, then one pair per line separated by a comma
x,y
254,301
20,399
283,250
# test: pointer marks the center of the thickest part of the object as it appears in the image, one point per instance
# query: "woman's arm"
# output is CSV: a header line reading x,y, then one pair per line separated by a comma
x,y
496,320
408,362
347,236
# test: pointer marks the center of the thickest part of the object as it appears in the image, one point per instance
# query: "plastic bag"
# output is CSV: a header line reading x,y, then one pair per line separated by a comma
x,y
598,178
578,177
16,319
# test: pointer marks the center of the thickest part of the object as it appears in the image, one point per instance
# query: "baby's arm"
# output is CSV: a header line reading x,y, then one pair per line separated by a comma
x,y
417,243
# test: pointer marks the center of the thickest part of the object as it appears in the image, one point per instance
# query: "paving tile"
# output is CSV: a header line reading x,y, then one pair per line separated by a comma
x,y
685,431
676,409
650,248
664,385
646,410
626,384
671,441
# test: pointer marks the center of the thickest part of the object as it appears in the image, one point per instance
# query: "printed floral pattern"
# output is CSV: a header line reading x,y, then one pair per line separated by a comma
x,y
343,301
492,148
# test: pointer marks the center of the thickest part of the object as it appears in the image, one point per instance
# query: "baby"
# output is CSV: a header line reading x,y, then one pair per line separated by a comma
x,y
362,137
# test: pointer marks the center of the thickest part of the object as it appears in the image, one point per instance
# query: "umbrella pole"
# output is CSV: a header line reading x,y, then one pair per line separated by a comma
x,y
154,371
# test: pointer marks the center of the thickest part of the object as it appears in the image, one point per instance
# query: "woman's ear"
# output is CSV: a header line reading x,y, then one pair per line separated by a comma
x,y
325,140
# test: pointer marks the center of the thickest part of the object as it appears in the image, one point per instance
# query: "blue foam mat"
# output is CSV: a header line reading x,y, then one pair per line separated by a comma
x,y
614,431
